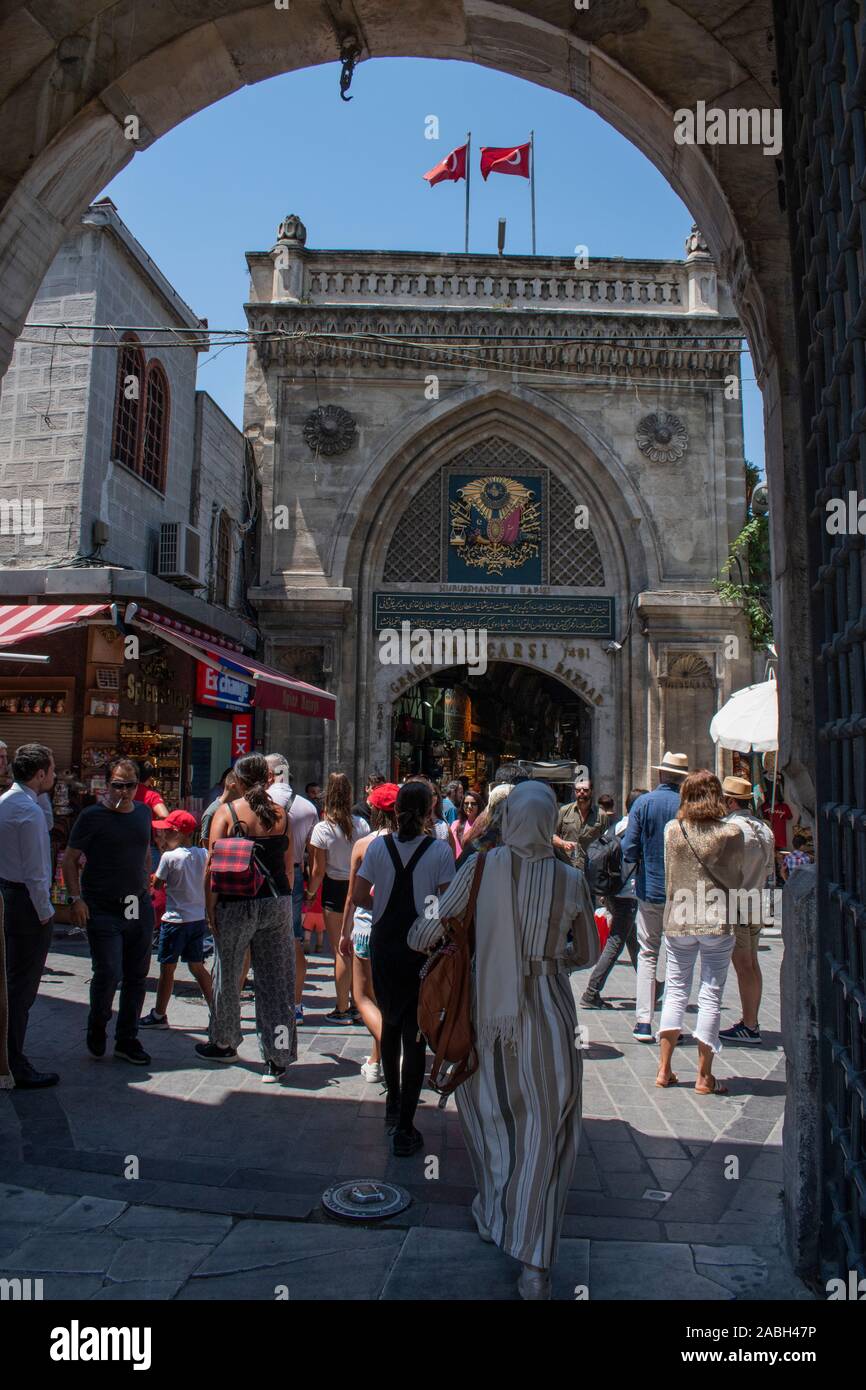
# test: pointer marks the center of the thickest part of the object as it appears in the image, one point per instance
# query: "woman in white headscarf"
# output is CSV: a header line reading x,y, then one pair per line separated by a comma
x,y
520,1112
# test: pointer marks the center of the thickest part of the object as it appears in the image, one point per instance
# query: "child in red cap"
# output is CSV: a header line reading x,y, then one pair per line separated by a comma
x,y
184,922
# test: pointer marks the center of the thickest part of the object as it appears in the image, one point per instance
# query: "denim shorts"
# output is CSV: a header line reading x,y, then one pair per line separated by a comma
x,y
181,941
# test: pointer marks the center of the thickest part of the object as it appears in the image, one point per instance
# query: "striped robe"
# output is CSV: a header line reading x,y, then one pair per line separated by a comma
x,y
520,1112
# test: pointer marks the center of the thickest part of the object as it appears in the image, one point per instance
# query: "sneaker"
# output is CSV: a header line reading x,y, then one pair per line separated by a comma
x,y
356,1017
272,1073
212,1053
132,1051
96,1042
741,1034
341,1016
299,1013
371,1071
406,1143
643,1032
594,1001
154,1020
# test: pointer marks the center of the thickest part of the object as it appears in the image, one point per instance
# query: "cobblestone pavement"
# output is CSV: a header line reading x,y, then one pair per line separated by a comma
x,y
227,1198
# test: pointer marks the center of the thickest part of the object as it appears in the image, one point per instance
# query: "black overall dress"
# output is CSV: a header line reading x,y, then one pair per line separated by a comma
x,y
395,966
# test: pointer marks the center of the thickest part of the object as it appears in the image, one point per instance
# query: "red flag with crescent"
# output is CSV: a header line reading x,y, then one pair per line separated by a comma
x,y
451,169
511,159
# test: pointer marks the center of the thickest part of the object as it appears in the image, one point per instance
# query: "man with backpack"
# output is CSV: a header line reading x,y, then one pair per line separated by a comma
x,y
614,882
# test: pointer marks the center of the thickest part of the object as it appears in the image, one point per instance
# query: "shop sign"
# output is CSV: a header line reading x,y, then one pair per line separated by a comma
x,y
242,735
221,689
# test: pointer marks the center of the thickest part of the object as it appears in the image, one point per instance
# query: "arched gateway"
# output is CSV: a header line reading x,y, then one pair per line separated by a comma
x,y
472,461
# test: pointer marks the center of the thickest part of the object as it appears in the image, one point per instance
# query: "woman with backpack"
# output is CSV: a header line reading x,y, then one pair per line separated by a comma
x,y
330,864
248,881
520,1111
401,875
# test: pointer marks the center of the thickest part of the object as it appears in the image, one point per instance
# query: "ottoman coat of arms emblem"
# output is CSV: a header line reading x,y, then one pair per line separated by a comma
x,y
495,524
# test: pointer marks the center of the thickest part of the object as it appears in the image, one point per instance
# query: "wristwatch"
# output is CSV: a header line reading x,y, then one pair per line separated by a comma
x,y
73,901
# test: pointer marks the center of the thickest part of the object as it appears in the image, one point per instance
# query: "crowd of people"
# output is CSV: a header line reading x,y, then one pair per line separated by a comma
x,y
559,888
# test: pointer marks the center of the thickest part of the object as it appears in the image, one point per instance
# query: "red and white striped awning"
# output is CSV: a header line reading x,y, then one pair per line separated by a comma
x,y
24,622
274,689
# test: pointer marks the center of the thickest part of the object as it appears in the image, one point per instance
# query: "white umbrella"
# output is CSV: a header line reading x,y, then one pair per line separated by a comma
x,y
749,720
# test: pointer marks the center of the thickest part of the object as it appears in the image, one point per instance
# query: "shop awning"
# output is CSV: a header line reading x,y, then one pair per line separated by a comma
x,y
274,689
24,622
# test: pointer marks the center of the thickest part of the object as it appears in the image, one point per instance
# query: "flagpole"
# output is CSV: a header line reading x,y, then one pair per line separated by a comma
x,y
468,173
532,183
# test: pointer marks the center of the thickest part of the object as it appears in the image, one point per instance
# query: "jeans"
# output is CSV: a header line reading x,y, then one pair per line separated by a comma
x,y
715,957
622,934
650,917
27,945
120,948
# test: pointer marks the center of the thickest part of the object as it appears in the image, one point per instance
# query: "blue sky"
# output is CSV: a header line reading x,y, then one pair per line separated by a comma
x,y
217,186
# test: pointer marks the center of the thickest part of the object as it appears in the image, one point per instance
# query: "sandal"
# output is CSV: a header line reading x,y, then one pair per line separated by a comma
x,y
717,1088
674,1081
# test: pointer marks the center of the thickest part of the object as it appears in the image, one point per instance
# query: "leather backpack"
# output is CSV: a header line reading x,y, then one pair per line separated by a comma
x,y
445,1000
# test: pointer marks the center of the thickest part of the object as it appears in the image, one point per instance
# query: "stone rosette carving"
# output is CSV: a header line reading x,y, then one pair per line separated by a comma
x,y
329,430
662,437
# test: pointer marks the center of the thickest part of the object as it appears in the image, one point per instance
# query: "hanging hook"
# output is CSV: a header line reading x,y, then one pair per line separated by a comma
x,y
350,52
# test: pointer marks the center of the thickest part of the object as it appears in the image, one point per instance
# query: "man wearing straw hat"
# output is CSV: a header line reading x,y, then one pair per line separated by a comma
x,y
644,845
758,861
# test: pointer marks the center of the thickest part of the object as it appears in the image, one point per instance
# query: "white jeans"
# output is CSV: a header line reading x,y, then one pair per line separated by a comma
x,y
649,939
715,955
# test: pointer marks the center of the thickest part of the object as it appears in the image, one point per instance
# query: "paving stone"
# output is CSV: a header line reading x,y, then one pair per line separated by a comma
x,y
146,1259
27,1209
89,1214
160,1223
138,1291
612,1228
727,1255
755,1195
627,1271
79,1253
618,1158
744,1281
444,1265
670,1172
66,1287
257,1256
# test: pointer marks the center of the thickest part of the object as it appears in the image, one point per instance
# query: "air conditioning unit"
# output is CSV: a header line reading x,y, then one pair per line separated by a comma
x,y
179,558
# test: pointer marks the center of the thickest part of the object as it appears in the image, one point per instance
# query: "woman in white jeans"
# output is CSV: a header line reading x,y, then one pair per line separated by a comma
x,y
703,867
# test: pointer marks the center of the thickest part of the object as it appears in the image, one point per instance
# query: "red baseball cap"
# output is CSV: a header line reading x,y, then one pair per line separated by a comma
x,y
384,796
184,821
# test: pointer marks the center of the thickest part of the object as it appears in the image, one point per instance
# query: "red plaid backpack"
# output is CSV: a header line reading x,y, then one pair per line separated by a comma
x,y
235,869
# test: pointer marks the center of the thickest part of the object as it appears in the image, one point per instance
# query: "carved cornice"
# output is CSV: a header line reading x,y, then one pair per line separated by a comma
x,y
379,339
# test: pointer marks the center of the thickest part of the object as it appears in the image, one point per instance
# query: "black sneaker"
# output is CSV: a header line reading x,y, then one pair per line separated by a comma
x,y
594,1002
96,1042
742,1035
212,1053
406,1143
154,1020
272,1073
341,1016
132,1052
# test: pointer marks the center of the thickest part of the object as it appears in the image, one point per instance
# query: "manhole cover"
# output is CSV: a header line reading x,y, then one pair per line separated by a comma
x,y
365,1199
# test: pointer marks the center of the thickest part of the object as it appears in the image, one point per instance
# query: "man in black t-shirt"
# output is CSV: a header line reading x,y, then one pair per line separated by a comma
x,y
112,901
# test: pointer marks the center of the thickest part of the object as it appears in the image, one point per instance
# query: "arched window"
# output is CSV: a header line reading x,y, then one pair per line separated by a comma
x,y
223,568
127,405
154,443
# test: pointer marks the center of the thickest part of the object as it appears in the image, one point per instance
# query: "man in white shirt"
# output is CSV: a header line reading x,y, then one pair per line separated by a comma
x,y
303,818
758,863
25,883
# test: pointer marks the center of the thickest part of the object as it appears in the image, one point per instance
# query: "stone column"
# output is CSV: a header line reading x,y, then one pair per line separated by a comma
x,y
288,257
701,271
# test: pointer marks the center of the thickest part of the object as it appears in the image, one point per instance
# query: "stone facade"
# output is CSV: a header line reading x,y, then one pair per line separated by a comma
x,y
620,396
57,419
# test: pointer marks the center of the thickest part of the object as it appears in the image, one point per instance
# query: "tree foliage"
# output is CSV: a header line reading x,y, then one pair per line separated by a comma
x,y
745,576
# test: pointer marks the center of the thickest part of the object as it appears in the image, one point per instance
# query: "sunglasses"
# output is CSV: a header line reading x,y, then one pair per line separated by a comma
x,y
122,786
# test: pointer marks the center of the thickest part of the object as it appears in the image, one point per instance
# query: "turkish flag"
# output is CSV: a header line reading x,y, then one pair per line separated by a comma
x,y
451,169
512,159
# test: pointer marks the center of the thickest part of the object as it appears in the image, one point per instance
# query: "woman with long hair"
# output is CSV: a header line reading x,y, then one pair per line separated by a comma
x,y
467,819
486,833
704,862
520,1111
358,924
330,864
400,875
262,923
435,824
